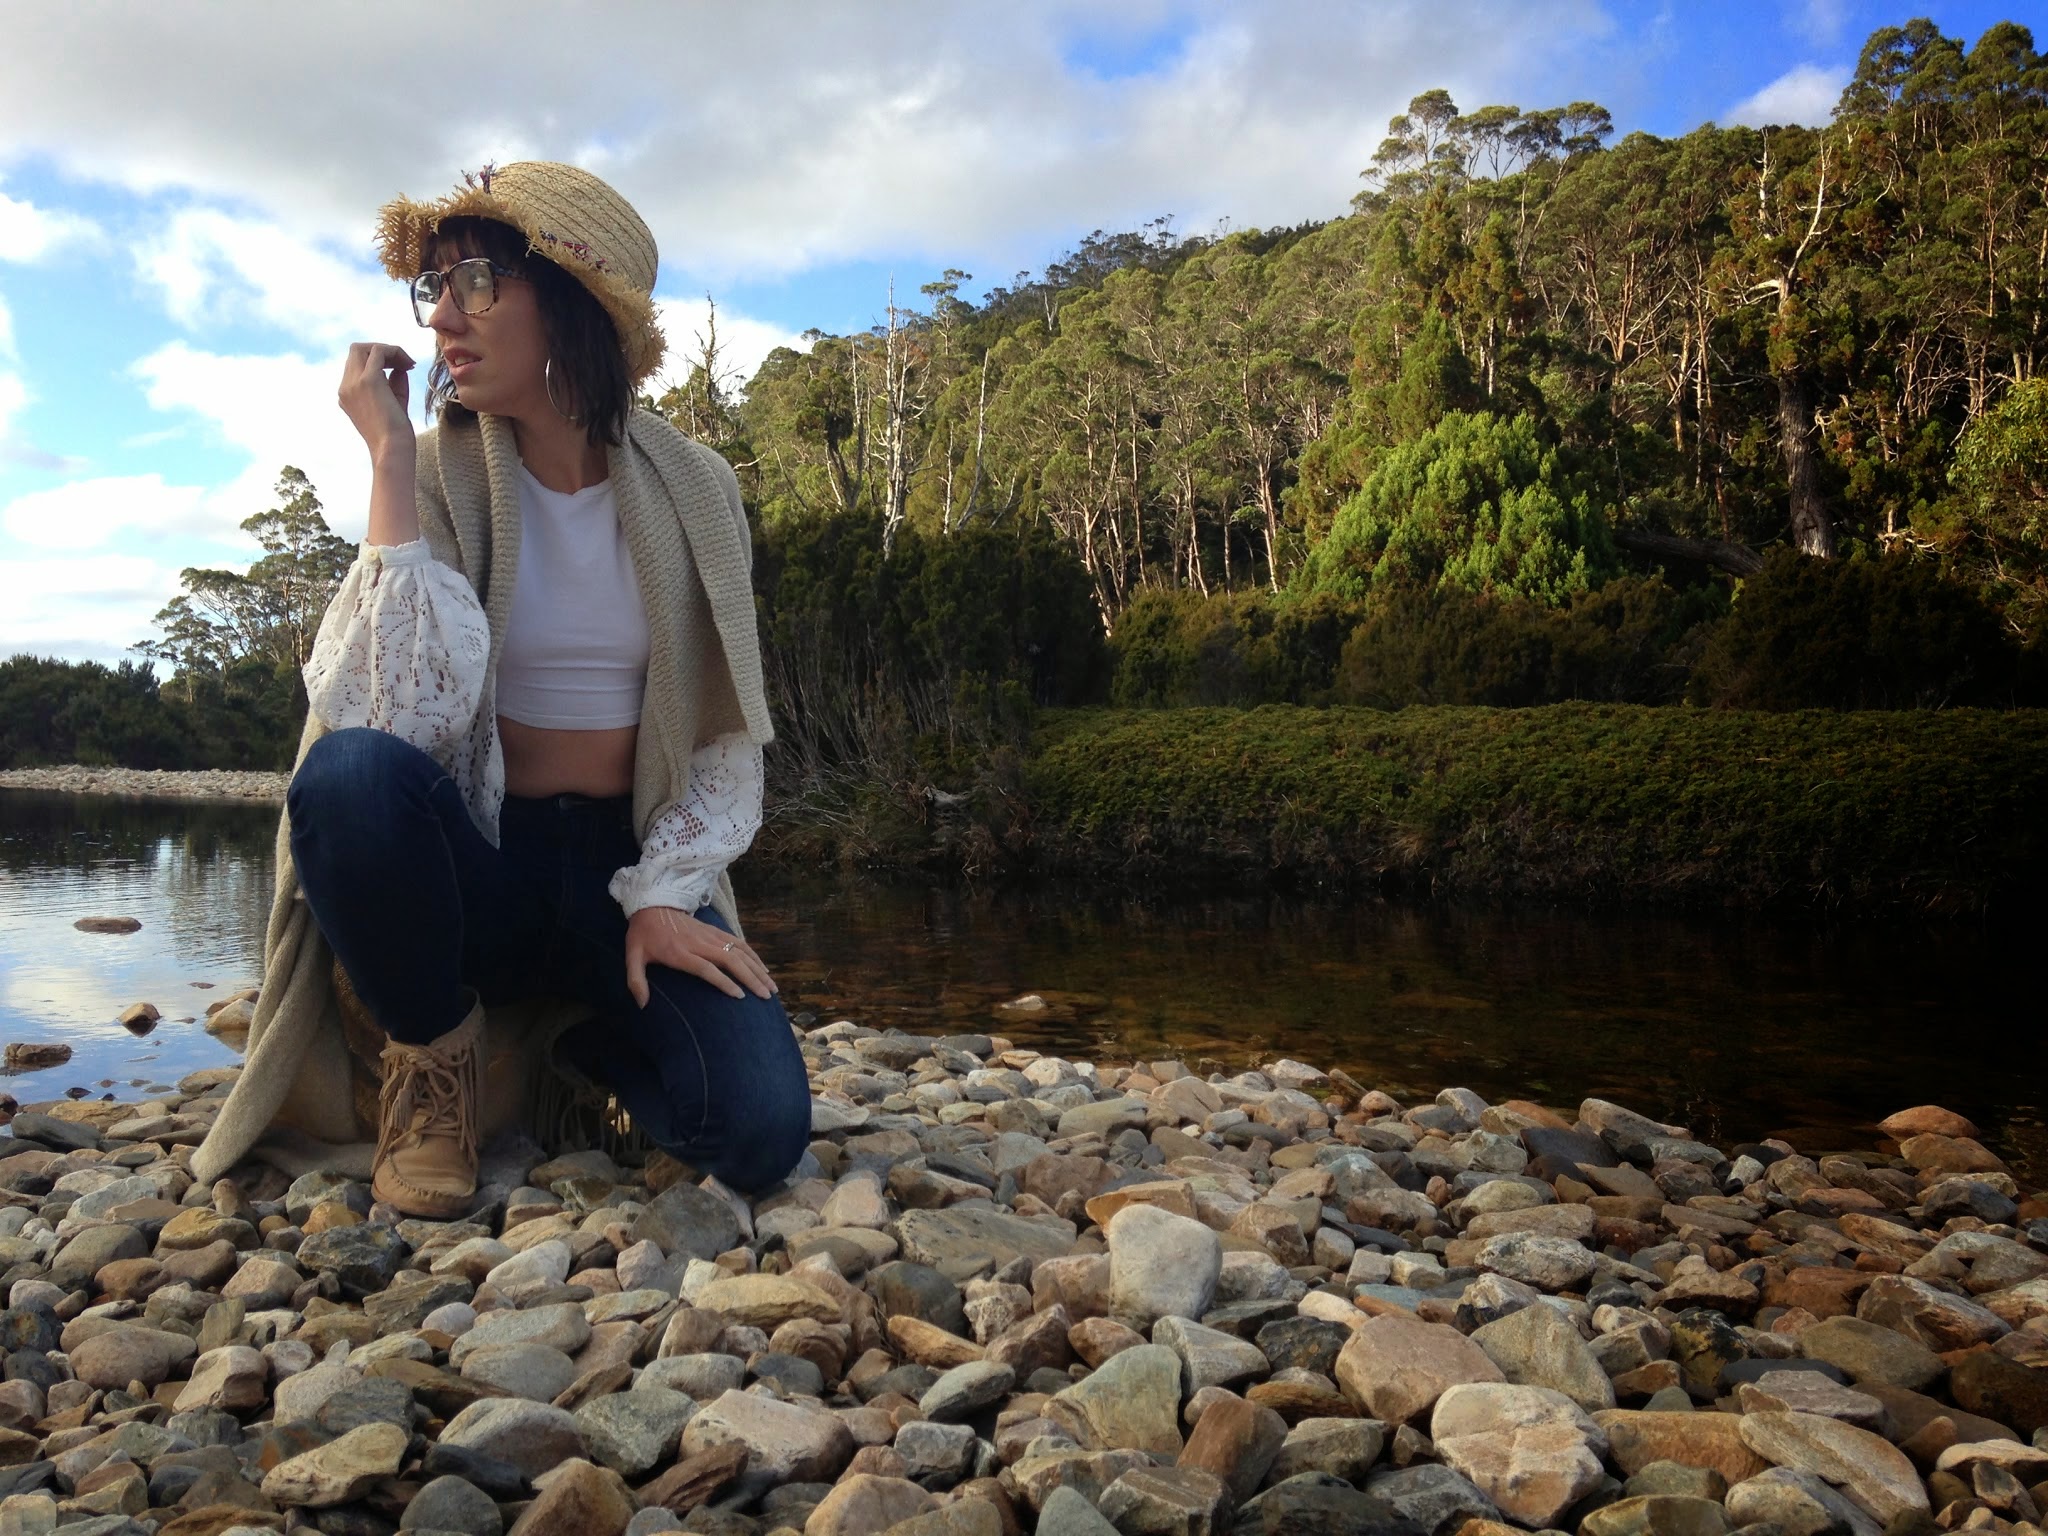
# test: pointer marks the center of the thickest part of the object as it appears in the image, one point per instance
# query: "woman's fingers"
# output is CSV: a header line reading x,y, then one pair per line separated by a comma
x,y
751,963
707,969
665,936
374,368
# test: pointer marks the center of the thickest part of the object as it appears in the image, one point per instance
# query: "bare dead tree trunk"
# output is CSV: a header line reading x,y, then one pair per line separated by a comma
x,y
980,439
895,376
1812,529
946,517
1270,505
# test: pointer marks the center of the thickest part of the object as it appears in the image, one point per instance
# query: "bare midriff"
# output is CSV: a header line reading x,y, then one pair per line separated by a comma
x,y
541,762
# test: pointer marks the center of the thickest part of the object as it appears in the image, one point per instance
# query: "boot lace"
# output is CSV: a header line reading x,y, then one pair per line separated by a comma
x,y
416,1079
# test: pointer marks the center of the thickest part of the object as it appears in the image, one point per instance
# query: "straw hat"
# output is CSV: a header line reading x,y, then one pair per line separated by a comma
x,y
567,215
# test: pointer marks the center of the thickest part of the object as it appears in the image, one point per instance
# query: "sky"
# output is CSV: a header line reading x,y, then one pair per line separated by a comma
x,y
188,190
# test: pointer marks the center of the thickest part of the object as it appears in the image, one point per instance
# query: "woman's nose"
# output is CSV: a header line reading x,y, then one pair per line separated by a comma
x,y
445,319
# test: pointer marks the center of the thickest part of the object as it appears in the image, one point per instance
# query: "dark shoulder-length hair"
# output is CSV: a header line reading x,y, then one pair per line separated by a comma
x,y
588,372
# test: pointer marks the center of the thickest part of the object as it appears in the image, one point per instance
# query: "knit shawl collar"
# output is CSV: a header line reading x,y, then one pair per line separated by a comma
x,y
678,515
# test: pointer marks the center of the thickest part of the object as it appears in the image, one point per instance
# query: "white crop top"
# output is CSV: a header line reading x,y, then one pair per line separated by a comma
x,y
575,652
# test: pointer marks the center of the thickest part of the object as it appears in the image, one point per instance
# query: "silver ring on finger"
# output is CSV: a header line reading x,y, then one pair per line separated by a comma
x,y
726,947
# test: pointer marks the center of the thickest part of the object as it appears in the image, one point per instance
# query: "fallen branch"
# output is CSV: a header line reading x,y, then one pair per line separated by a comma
x,y
1736,559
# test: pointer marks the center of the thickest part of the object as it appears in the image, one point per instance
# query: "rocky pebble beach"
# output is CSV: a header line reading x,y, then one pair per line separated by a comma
x,y
1007,1292
152,783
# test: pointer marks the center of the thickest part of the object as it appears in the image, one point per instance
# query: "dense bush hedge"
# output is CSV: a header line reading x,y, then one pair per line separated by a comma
x,y
1866,632
881,667
1887,632
1604,802
82,712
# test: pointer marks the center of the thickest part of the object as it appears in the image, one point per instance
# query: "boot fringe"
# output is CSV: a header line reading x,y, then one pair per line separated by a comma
x,y
572,1114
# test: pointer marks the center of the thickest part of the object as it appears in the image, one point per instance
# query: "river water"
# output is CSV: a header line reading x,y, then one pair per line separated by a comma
x,y
1738,1027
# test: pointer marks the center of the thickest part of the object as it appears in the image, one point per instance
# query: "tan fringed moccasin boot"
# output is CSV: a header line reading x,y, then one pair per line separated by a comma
x,y
427,1122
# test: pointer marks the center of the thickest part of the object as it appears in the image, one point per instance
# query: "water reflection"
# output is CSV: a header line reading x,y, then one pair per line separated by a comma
x,y
198,877
1738,1027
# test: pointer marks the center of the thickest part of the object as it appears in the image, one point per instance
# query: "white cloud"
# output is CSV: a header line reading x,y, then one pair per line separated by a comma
x,y
1822,22
1806,94
278,410
901,125
85,514
213,268
29,233
742,342
86,608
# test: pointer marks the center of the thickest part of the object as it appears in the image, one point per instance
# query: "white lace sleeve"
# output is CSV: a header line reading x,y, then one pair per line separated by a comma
x,y
402,648
694,838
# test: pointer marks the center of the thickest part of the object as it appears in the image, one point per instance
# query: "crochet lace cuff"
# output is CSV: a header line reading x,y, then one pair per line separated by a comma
x,y
403,648
693,839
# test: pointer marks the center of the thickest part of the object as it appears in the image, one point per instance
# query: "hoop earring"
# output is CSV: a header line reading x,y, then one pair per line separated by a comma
x,y
547,375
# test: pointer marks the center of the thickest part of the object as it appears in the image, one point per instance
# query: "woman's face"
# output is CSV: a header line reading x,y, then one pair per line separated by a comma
x,y
497,359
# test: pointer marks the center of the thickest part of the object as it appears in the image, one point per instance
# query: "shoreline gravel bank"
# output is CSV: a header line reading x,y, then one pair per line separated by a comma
x,y
1010,1292
151,783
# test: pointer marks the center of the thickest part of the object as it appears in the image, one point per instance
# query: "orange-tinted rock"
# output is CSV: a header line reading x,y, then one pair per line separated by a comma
x,y
1929,1153
1537,1113
130,1279
1925,1119
1173,1194
1237,1441
1711,1440
1298,1400
1396,1367
579,1500
1822,1291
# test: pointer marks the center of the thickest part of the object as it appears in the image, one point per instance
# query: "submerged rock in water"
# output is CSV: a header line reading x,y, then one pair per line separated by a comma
x,y
34,1055
108,924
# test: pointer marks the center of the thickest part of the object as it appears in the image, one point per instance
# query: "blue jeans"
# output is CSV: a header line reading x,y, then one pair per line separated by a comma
x,y
420,909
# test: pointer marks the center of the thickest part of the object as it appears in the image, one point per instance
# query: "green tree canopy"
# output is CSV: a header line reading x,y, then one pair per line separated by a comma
x,y
269,613
1478,502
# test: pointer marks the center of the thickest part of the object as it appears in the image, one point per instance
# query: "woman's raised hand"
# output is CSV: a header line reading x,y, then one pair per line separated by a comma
x,y
374,394
665,936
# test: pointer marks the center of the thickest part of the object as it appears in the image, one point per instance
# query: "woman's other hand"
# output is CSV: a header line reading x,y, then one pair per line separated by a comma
x,y
375,394
665,936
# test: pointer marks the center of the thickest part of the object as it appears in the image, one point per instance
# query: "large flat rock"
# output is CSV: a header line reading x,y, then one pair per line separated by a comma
x,y
960,1241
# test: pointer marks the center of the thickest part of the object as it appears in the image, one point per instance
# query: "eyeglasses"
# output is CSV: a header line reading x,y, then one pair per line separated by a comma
x,y
472,283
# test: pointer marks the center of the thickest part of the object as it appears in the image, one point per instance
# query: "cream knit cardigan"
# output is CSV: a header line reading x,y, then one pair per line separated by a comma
x,y
679,504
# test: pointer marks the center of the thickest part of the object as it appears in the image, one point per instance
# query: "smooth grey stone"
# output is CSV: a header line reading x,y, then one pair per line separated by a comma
x,y
686,1219
451,1504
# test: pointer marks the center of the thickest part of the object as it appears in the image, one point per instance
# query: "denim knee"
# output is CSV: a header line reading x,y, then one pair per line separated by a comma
x,y
352,779
769,1116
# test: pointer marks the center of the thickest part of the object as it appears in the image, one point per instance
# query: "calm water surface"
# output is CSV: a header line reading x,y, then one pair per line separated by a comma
x,y
1737,1027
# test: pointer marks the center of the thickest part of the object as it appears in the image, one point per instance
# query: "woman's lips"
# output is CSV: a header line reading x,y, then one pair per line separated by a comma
x,y
459,364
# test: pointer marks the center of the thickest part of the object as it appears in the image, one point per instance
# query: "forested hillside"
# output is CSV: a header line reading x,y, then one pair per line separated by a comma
x,y
1742,337
1531,362
1750,418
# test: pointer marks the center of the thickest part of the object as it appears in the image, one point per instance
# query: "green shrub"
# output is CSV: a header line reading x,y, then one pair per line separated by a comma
x,y
951,638
1631,641
82,712
1877,632
1583,802
1175,649
1479,502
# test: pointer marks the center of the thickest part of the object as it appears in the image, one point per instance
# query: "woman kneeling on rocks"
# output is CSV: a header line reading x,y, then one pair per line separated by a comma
x,y
534,742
